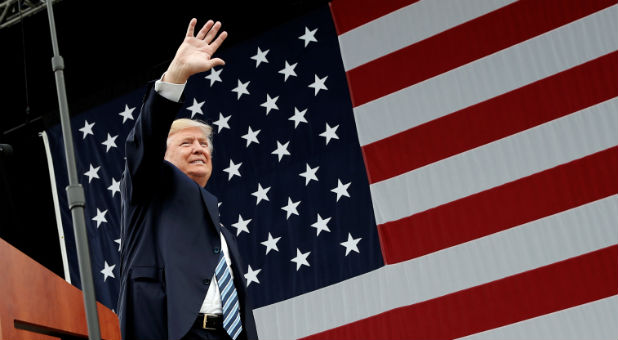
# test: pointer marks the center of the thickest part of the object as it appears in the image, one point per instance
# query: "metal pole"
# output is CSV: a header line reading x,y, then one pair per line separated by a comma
x,y
75,192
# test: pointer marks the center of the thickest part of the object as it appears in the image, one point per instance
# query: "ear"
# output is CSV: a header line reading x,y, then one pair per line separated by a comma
x,y
167,145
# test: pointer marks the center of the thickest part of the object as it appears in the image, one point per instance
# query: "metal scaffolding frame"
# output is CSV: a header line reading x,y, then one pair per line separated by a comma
x,y
9,10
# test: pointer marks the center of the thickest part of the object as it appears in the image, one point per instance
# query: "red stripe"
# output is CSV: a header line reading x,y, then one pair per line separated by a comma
x,y
542,194
547,99
460,45
544,290
349,14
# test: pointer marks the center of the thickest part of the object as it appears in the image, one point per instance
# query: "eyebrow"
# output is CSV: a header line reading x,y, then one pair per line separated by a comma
x,y
188,139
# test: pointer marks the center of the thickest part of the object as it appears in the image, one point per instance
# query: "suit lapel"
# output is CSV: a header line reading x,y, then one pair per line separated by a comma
x,y
211,204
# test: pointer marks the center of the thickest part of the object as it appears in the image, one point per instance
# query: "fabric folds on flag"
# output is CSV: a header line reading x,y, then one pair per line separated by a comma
x,y
402,169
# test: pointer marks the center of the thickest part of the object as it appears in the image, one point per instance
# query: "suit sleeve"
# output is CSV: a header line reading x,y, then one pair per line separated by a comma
x,y
146,144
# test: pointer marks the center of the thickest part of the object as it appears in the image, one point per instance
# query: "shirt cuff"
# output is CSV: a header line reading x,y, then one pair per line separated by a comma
x,y
169,91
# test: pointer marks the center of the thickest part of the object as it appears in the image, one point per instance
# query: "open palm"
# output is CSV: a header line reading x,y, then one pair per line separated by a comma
x,y
195,53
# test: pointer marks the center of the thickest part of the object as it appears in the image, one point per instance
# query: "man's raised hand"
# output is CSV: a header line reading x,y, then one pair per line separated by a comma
x,y
195,53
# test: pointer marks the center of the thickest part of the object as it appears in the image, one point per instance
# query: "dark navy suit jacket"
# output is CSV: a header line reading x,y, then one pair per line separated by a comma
x,y
170,236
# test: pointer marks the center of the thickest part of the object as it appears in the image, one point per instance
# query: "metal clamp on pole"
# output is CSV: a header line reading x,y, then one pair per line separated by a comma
x,y
75,196
57,63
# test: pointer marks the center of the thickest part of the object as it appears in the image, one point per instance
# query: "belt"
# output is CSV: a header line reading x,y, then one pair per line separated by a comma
x,y
209,321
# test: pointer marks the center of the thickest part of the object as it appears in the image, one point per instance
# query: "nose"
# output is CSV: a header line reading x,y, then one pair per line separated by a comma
x,y
198,147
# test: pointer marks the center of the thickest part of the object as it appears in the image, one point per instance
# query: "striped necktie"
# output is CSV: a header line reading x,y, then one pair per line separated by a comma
x,y
229,299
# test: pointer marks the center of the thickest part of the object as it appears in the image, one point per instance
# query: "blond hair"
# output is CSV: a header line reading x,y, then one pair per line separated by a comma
x,y
183,123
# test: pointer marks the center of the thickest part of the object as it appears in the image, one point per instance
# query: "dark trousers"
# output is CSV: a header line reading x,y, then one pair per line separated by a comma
x,y
198,333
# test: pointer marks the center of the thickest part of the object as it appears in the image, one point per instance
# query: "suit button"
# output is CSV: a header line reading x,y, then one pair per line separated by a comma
x,y
216,250
206,281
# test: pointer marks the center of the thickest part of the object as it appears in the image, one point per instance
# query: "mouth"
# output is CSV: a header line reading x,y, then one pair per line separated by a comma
x,y
198,161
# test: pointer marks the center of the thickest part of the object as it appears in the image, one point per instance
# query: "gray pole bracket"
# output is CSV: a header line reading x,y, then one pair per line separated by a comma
x,y
57,63
75,196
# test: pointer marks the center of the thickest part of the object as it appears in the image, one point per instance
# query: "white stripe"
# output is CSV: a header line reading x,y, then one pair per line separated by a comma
x,y
52,180
542,242
223,277
593,320
226,289
232,298
407,26
237,333
220,264
224,292
225,324
496,74
525,153
233,326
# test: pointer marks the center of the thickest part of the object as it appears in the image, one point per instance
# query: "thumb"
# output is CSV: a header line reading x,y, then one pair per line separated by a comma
x,y
217,62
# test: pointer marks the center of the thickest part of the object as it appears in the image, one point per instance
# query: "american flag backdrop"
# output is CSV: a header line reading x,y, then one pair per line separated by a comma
x,y
402,169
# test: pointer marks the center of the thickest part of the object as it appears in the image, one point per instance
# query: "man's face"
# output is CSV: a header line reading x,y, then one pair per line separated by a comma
x,y
188,150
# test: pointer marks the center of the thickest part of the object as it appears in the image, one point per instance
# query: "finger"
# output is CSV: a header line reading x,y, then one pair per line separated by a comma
x,y
202,33
213,32
191,27
215,44
217,62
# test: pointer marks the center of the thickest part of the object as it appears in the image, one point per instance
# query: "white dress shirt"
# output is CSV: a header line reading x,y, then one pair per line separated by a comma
x,y
212,301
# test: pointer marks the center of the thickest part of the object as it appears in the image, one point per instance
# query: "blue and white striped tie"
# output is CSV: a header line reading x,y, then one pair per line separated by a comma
x,y
229,299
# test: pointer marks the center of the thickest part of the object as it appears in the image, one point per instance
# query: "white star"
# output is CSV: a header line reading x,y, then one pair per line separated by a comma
x,y
288,70
300,259
341,189
281,150
222,122
260,57
233,169
351,244
119,243
251,276
87,129
115,187
271,243
108,271
110,142
260,194
309,174
196,108
330,133
241,89
318,84
321,224
127,113
308,36
92,173
214,76
291,208
241,225
100,218
298,117
270,103
251,136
